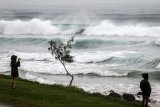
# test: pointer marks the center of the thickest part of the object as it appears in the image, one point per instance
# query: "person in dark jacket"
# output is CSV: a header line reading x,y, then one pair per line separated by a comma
x,y
146,89
14,68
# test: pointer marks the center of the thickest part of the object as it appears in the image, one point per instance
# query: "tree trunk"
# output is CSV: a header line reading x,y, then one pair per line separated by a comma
x,y
70,84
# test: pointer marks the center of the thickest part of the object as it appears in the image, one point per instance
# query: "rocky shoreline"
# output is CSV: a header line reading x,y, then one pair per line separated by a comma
x,y
130,97
125,96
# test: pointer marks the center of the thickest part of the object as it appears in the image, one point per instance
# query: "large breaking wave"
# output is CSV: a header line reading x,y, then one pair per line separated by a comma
x,y
34,26
104,27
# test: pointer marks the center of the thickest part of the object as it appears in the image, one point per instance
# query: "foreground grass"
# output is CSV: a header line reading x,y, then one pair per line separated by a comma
x,y
32,94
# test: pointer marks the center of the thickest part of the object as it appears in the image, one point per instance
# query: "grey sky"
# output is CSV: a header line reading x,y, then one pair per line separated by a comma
x,y
133,3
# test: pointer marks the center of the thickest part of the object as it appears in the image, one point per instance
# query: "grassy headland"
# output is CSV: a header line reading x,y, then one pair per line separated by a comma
x,y
33,94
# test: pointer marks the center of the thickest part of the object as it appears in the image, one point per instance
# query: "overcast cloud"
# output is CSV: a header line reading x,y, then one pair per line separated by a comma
x,y
89,3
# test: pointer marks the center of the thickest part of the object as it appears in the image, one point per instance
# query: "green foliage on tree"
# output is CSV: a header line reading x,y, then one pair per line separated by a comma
x,y
62,52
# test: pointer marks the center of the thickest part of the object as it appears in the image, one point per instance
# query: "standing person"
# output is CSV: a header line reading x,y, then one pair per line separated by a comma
x,y
14,69
146,89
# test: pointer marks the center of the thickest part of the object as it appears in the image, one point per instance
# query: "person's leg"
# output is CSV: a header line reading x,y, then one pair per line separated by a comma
x,y
143,102
147,101
13,82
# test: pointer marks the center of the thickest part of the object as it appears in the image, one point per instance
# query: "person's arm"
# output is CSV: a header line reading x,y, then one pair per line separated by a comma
x,y
149,87
18,63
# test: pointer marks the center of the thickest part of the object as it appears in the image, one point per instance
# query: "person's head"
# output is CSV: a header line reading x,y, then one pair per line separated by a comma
x,y
14,58
145,76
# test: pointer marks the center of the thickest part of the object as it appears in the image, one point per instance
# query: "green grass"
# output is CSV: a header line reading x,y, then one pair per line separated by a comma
x,y
33,94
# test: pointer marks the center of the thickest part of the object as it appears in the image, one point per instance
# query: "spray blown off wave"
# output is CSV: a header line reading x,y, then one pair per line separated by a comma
x,y
108,28
104,27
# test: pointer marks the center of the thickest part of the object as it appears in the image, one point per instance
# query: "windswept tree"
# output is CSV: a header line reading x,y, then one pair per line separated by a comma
x,y
61,52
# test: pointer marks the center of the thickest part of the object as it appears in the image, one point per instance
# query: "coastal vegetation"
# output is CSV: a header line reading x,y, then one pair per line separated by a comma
x,y
61,52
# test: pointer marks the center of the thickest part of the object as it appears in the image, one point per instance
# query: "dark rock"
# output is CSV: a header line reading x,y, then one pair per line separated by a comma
x,y
111,91
149,100
113,94
138,96
80,31
153,101
139,93
128,97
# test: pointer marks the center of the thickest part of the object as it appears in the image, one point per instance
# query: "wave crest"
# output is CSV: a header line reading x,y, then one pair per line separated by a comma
x,y
34,26
108,28
46,27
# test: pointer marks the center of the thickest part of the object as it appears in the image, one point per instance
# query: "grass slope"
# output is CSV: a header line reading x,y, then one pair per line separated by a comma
x,y
32,94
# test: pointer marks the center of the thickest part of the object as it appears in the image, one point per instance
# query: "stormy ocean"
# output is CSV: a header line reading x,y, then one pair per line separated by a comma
x,y
111,48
